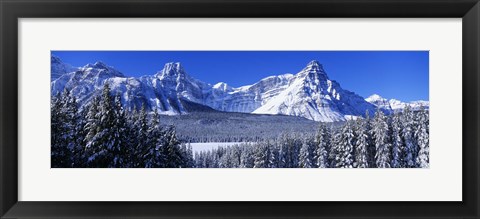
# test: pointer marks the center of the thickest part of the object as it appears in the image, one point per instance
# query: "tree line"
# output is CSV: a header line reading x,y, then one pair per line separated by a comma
x,y
385,141
102,134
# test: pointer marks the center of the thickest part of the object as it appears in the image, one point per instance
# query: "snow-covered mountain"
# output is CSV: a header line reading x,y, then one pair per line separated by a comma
x,y
394,105
309,93
58,68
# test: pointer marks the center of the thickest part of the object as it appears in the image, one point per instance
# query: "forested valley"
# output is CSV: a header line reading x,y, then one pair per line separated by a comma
x,y
105,135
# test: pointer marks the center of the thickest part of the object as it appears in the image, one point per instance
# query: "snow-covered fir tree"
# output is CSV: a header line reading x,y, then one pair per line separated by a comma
x,y
190,162
262,155
361,144
408,127
171,151
155,140
343,147
58,152
398,146
371,150
322,147
79,155
119,149
106,143
274,157
92,127
294,143
382,141
64,127
247,159
422,139
306,156
141,137
283,160
226,158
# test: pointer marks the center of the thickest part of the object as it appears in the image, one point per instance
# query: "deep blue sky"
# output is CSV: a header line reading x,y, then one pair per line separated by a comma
x,y
401,75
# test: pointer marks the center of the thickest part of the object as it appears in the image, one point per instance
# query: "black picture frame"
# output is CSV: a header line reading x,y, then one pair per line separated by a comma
x,y
12,10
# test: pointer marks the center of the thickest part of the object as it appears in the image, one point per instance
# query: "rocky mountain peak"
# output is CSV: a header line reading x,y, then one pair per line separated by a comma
x,y
98,65
314,66
374,97
313,72
100,69
222,86
55,59
171,69
59,68
101,65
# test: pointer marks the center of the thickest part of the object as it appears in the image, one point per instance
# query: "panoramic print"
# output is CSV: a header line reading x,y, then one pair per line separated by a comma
x,y
239,109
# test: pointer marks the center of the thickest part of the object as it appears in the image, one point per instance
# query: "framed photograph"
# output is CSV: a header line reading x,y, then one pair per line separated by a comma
x,y
255,109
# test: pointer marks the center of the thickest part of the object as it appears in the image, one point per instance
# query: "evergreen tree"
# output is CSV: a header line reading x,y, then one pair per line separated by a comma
x,y
262,155
382,143
199,159
294,144
422,137
120,131
57,153
371,150
235,155
247,159
410,155
131,138
306,156
274,161
63,124
106,136
141,134
190,163
79,155
171,151
284,152
230,158
92,127
361,145
72,120
213,159
398,146
343,147
322,145
105,143
151,155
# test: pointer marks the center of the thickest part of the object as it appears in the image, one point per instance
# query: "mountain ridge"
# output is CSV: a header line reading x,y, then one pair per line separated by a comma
x,y
394,105
309,93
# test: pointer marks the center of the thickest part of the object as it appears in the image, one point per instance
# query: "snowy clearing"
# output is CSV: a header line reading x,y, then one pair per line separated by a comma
x,y
197,147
